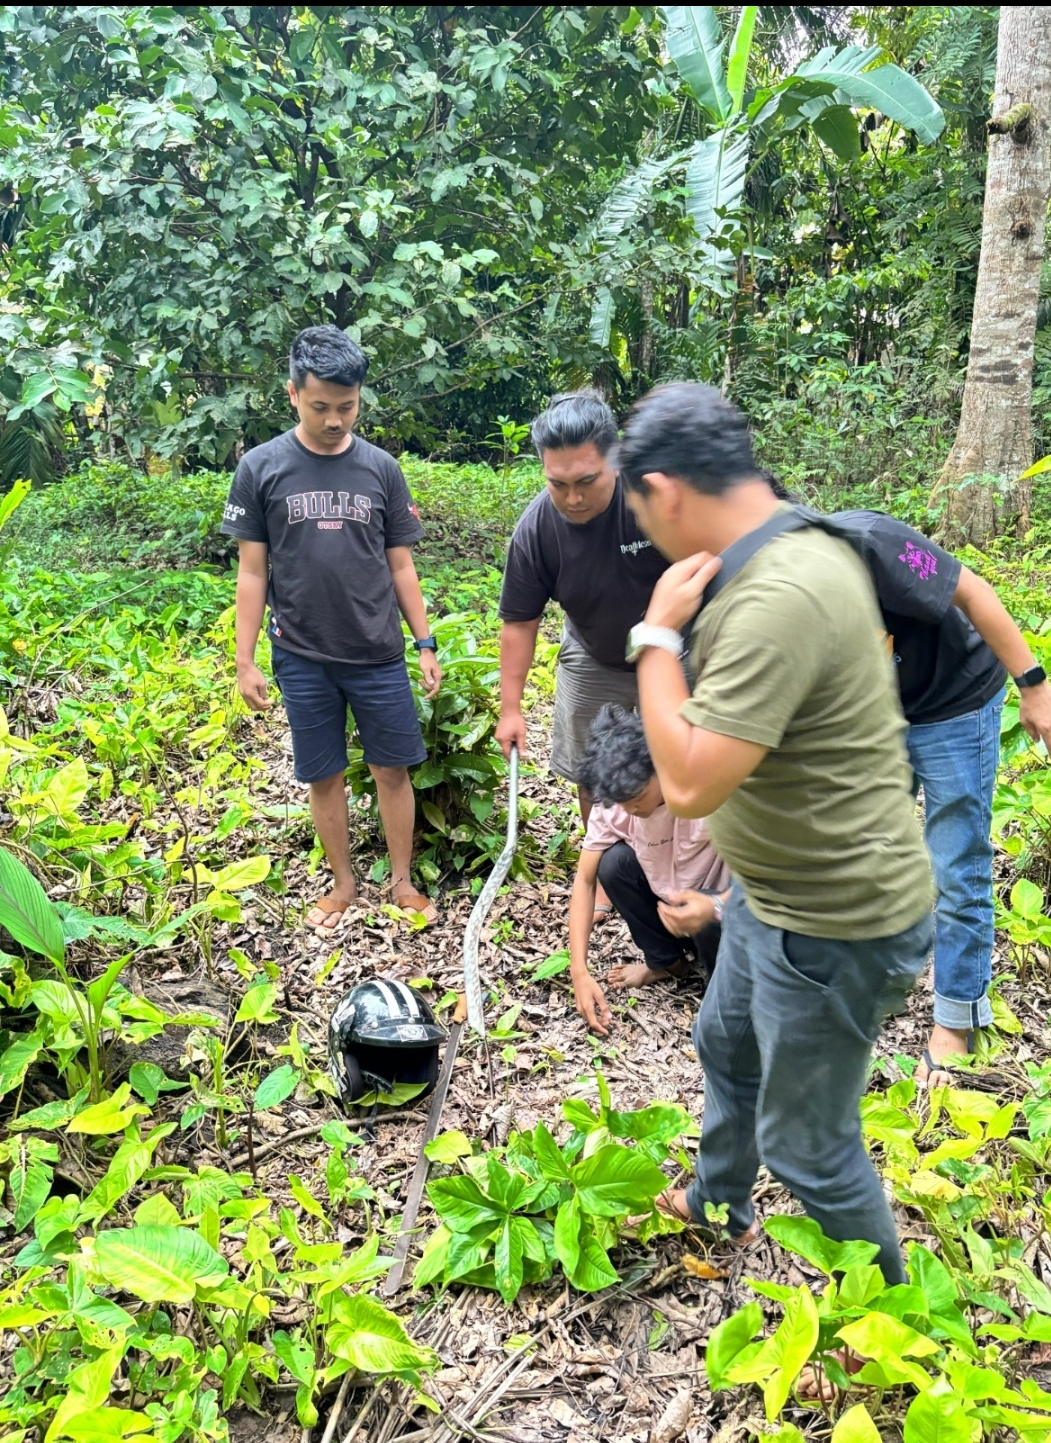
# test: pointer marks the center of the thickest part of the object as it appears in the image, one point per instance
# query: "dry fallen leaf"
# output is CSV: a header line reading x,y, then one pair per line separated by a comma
x,y
701,1268
675,1419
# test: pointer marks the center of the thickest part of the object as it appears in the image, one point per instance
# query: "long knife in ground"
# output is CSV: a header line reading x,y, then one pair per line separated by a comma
x,y
392,1282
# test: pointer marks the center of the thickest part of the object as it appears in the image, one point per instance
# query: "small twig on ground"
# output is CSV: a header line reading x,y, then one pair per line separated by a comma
x,y
370,1403
337,1408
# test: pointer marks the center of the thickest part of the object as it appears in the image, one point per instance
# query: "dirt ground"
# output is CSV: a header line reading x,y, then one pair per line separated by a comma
x,y
624,1364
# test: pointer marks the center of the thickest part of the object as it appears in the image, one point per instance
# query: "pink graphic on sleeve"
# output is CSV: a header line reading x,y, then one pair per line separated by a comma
x,y
924,563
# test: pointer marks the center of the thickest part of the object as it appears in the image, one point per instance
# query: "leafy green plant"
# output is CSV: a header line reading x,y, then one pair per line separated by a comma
x,y
511,1215
915,1341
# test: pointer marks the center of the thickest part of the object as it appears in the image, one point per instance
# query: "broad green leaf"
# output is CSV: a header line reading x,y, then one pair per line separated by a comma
x,y
837,126
728,1340
297,1356
85,1388
16,1060
461,1204
781,1358
740,49
305,1198
67,789
660,1122
26,911
112,1114
804,1236
695,43
593,1270
600,325
567,1234
551,966
257,1005
127,1166
1027,899
507,1259
886,1339
887,88
374,1340
158,1264
104,1425
29,1186
246,873
715,177
12,500
856,1426
158,1209
616,1180
433,1259
449,1147
548,1154
936,1417
275,1087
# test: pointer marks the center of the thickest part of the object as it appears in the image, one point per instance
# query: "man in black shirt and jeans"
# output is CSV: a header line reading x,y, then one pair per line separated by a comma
x,y
953,645
324,523
577,543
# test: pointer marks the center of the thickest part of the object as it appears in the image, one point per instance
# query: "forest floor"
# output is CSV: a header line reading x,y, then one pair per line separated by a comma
x,y
556,1365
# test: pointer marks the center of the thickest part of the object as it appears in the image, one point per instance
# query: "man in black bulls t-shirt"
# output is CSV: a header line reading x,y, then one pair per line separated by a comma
x,y
576,543
325,522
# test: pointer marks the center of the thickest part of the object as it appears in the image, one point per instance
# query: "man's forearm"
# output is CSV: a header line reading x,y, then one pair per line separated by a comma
x,y
250,606
517,648
410,601
993,623
581,916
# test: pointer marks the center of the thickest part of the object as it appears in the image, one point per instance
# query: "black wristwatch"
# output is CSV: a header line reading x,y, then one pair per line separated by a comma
x,y
426,643
1033,677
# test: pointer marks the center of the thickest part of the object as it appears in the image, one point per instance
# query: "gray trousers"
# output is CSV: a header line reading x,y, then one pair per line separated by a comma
x,y
784,1035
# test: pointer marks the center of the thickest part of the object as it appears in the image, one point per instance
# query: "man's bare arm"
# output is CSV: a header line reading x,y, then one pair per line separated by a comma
x,y
253,574
517,648
993,623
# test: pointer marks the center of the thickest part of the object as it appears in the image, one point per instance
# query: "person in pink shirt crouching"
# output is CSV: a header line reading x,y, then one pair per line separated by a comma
x,y
661,872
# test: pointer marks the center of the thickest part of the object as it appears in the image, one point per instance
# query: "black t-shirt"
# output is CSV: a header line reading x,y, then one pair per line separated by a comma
x,y
328,521
601,572
944,667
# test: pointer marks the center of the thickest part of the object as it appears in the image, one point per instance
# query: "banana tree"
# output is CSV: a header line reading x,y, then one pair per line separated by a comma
x,y
823,93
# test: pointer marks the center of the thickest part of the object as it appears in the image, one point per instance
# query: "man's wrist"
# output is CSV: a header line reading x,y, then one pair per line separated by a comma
x,y
244,663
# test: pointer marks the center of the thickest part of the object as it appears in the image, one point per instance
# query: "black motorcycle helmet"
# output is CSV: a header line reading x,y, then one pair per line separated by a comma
x,y
382,1033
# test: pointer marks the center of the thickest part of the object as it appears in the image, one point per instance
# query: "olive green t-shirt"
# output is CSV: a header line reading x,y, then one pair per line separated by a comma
x,y
823,835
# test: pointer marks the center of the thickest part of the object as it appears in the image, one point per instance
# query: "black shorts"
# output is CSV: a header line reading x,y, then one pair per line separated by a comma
x,y
316,696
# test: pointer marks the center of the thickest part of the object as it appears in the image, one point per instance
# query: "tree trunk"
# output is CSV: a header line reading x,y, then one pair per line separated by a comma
x,y
994,443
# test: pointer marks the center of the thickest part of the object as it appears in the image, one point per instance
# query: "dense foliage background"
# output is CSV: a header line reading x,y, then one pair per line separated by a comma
x,y
186,186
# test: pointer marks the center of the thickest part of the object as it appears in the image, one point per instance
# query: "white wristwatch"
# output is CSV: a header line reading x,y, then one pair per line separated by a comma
x,y
643,635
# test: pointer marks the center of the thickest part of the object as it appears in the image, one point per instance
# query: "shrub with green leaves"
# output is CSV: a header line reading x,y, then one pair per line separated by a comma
x,y
923,1340
511,1216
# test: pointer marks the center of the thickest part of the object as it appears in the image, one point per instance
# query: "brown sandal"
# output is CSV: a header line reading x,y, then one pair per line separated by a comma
x,y
410,900
329,907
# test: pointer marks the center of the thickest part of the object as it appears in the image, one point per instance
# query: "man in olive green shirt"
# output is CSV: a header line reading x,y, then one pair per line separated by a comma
x,y
792,744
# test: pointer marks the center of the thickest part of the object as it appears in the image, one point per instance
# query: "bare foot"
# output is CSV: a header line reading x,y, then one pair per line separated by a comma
x,y
326,913
626,975
945,1043
672,1203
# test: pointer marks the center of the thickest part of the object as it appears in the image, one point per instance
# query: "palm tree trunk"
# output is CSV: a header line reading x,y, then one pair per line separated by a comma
x,y
994,441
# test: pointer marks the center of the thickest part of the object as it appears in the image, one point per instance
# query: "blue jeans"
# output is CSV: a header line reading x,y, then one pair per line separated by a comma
x,y
955,763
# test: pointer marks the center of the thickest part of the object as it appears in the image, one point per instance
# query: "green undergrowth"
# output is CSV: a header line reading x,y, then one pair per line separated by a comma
x,y
110,515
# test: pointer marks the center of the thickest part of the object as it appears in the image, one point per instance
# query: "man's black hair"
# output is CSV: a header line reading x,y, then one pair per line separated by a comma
x,y
689,431
329,354
575,418
616,764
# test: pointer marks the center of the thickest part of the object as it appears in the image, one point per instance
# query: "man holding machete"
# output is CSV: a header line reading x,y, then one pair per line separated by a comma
x,y
792,745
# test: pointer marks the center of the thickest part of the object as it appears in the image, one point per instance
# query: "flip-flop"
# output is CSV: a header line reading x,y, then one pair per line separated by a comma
x,y
413,901
331,908
943,1066
602,911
